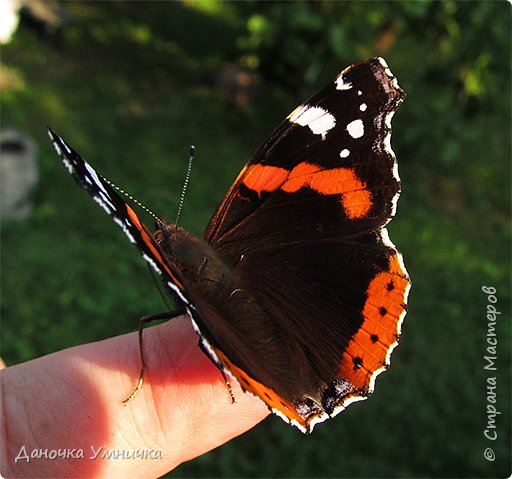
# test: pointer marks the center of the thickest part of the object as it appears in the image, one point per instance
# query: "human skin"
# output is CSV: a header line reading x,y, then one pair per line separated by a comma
x,y
72,400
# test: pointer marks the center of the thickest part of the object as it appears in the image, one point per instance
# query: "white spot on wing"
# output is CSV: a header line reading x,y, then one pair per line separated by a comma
x,y
318,419
105,197
317,119
177,291
388,118
102,204
355,129
349,401
383,62
149,260
94,176
67,163
66,147
344,153
363,106
342,84
388,72
57,148
208,346
394,204
395,171
123,226
384,235
387,144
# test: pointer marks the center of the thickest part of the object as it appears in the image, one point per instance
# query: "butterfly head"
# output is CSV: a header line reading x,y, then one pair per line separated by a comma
x,y
167,234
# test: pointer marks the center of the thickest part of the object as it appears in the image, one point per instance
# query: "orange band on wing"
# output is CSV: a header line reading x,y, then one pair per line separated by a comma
x,y
149,242
267,395
368,351
355,198
262,178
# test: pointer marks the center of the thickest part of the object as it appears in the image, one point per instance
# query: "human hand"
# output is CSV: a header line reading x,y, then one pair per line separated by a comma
x,y
72,400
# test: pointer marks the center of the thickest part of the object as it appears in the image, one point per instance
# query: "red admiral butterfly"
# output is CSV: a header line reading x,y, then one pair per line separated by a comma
x,y
295,288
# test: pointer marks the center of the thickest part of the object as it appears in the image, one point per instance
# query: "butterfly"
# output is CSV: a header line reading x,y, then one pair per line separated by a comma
x,y
295,288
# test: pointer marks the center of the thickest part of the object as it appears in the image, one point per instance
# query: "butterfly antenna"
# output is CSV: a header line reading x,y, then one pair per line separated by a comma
x,y
185,183
132,199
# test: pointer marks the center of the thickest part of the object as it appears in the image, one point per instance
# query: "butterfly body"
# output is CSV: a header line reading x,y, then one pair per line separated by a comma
x,y
295,288
224,307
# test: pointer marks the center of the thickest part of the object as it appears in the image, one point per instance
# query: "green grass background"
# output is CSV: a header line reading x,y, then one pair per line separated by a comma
x,y
131,85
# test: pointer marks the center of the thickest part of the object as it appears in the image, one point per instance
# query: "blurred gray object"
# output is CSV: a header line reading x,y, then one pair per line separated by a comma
x,y
45,16
18,174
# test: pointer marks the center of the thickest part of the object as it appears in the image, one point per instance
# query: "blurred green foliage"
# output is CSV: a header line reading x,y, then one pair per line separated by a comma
x,y
132,84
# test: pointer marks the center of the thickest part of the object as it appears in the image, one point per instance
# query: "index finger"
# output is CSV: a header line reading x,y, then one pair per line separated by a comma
x,y
72,399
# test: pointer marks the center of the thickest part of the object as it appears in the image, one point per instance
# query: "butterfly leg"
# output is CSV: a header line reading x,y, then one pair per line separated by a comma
x,y
228,385
219,367
142,322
